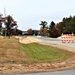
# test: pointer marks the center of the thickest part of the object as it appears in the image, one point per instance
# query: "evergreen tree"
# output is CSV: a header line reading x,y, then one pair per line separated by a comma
x,y
67,25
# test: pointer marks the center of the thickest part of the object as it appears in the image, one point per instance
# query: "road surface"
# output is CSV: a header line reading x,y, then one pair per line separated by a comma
x,y
67,72
55,41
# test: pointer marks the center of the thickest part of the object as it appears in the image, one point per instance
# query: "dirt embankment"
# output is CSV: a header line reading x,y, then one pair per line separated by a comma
x,y
27,40
30,68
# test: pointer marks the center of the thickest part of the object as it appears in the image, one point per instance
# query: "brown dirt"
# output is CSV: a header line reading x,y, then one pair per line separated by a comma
x,y
12,68
29,68
27,40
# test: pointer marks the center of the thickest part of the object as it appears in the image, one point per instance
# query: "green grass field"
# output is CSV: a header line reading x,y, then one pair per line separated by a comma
x,y
11,51
42,53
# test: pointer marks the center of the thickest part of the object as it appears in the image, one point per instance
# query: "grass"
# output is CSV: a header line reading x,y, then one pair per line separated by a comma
x,y
11,51
42,53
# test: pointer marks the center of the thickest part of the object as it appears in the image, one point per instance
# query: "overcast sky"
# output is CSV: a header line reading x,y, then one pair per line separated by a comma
x,y
29,13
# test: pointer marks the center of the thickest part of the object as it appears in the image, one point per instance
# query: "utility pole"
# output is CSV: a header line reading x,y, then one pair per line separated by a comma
x,y
4,15
4,12
5,19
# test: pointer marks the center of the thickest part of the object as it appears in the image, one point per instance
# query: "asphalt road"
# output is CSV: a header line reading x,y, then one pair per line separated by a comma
x,y
67,72
55,41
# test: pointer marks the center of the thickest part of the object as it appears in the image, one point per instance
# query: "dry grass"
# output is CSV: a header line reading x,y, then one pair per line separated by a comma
x,y
10,51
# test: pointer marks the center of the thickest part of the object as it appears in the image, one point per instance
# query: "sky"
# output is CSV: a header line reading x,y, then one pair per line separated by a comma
x,y
30,13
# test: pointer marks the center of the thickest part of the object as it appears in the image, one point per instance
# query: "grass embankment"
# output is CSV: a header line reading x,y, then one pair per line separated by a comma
x,y
11,51
42,53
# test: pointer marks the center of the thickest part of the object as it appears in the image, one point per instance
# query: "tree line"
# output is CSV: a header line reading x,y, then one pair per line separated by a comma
x,y
66,26
48,30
